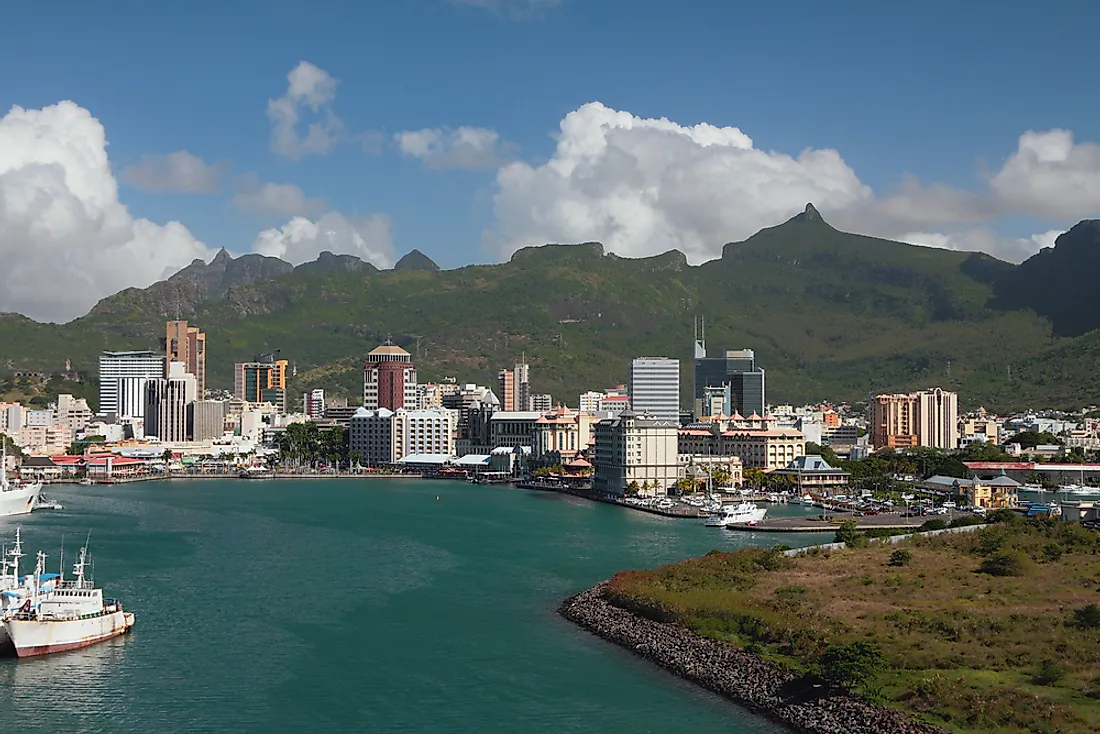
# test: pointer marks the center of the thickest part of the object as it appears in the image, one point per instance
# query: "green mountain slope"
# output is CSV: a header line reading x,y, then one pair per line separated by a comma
x,y
830,315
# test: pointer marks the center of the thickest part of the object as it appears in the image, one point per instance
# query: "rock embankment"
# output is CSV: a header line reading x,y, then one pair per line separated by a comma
x,y
739,676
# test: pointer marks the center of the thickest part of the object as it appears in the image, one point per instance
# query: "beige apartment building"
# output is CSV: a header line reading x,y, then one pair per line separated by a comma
x,y
635,448
757,448
187,344
925,418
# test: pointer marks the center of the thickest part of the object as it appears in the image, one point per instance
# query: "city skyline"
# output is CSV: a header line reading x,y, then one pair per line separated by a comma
x,y
310,148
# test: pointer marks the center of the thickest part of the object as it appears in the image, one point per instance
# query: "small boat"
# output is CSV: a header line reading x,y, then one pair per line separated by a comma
x,y
85,482
70,615
45,503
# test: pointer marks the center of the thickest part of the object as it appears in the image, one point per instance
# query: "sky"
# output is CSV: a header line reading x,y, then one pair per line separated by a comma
x,y
136,136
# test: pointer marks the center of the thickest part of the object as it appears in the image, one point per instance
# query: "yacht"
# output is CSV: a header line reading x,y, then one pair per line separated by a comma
x,y
15,499
744,513
71,615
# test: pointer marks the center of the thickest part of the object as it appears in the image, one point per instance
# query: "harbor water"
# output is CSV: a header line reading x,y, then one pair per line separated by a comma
x,y
357,606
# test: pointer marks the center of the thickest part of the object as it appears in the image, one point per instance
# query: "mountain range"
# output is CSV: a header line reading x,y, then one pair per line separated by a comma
x,y
831,315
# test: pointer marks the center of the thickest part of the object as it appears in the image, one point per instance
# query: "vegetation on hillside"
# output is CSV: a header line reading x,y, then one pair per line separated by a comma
x,y
992,630
830,315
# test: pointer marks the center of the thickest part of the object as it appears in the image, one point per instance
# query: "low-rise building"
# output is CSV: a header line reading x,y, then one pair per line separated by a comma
x,y
635,450
383,436
561,434
813,474
758,448
513,428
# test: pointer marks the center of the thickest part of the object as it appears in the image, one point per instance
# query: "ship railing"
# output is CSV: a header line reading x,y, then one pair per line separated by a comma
x,y
68,584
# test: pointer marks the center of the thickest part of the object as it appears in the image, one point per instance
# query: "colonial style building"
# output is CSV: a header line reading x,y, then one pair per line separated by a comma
x,y
755,440
561,434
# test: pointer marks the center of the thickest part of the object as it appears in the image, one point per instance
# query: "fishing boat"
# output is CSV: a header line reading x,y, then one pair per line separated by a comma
x,y
14,591
71,615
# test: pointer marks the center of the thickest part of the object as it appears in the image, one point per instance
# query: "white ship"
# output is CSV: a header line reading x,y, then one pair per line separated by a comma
x,y
74,614
745,513
15,499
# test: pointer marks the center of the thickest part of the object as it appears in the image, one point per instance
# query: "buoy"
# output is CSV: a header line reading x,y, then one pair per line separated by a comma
x,y
437,498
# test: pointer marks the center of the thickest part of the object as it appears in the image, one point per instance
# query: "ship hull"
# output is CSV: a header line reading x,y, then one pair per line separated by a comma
x,y
32,637
19,501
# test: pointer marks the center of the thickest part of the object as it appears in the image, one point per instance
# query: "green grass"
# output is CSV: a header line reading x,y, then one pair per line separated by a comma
x,y
970,651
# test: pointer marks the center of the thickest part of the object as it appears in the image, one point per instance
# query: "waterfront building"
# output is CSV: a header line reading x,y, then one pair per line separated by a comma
x,y
655,388
464,398
313,404
381,437
187,344
263,380
389,378
561,434
636,450
757,443
513,428
122,380
813,474
925,418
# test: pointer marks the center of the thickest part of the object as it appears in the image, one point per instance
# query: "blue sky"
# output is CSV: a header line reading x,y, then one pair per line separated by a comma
x,y
937,91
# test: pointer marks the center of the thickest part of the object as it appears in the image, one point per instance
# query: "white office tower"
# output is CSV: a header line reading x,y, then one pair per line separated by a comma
x,y
122,380
655,388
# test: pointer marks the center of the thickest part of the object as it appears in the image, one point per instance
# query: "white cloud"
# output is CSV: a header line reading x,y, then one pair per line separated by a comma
x,y
65,239
275,199
300,239
181,172
514,9
311,89
1050,176
467,147
643,186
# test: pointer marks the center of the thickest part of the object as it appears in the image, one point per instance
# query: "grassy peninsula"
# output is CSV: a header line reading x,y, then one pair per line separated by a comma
x,y
996,630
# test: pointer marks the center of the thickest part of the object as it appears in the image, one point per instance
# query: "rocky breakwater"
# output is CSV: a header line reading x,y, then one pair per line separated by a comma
x,y
739,676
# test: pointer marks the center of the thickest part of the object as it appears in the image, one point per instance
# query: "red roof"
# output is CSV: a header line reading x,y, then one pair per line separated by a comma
x,y
993,465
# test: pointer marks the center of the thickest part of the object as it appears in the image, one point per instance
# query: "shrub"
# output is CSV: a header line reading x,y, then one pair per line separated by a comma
x,y
851,665
1009,563
1048,673
1087,617
933,524
901,557
1003,516
788,592
848,534
968,520
1052,552
867,580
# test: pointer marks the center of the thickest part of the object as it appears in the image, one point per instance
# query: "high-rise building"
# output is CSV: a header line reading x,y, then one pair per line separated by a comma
x,y
926,418
187,344
736,368
166,401
389,378
655,388
313,403
73,413
506,389
263,380
206,419
122,380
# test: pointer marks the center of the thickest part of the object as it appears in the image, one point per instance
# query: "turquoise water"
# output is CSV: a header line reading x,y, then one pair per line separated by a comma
x,y
356,606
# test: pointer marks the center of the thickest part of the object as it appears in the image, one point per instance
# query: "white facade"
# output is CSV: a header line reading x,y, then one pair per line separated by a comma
x,y
590,401
655,388
636,449
937,418
40,418
122,378
384,436
313,404
73,413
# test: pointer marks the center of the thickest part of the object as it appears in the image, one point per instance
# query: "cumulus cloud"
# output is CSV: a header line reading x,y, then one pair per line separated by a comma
x,y
274,199
1050,176
65,239
514,9
300,239
180,172
467,147
310,90
643,186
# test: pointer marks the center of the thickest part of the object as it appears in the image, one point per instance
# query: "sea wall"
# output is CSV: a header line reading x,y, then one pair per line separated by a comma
x,y
739,676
